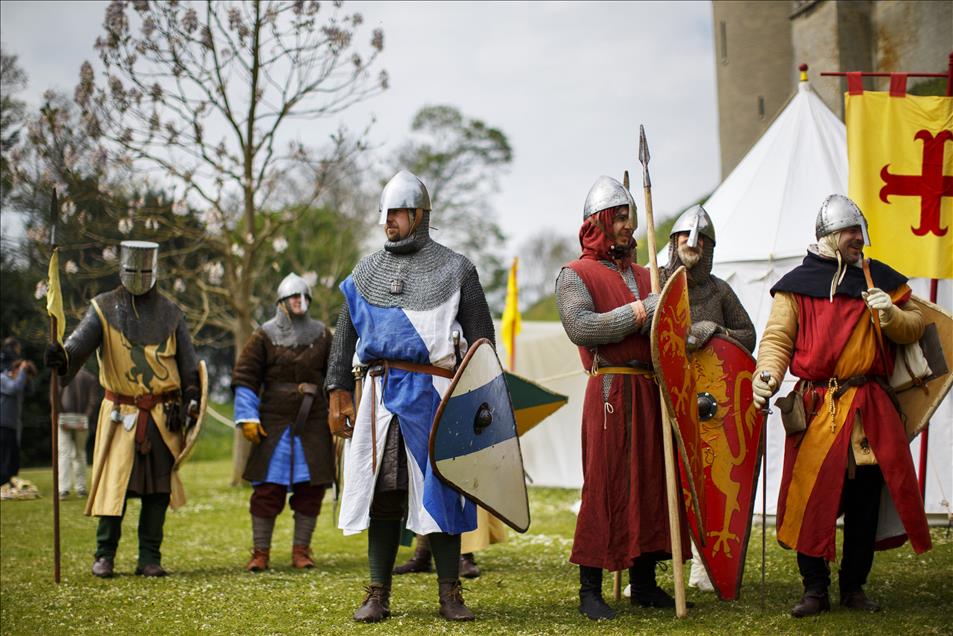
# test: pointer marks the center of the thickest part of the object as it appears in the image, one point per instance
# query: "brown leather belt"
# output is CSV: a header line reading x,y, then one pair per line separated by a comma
x,y
304,388
144,403
413,367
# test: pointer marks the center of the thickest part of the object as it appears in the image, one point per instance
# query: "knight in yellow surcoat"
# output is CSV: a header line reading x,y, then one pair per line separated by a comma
x,y
149,370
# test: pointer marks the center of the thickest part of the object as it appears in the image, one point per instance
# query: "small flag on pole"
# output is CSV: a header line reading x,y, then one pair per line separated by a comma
x,y
510,323
54,297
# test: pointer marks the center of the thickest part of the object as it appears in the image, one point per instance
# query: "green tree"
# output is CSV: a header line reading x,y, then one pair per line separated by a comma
x,y
460,159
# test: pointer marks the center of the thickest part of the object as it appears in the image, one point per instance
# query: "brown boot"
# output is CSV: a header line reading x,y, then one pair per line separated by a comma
x,y
420,562
376,605
301,557
468,566
811,604
103,567
452,606
259,560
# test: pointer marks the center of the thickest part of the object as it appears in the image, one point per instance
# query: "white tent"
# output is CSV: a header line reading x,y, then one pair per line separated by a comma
x,y
764,215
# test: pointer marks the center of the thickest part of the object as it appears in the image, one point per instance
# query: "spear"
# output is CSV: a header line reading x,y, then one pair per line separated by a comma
x,y
54,307
681,610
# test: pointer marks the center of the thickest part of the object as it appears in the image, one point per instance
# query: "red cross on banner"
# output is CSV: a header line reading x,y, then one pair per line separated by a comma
x,y
900,153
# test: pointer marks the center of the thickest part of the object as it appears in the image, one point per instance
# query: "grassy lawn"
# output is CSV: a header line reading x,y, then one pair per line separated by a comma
x,y
528,587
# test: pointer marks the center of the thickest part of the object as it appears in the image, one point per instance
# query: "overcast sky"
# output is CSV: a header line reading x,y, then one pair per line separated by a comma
x,y
569,84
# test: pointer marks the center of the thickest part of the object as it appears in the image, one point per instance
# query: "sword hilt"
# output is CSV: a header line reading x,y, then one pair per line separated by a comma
x,y
766,378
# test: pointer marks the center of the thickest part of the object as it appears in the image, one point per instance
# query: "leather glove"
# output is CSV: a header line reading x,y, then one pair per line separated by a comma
x,y
880,300
56,358
341,413
763,389
253,432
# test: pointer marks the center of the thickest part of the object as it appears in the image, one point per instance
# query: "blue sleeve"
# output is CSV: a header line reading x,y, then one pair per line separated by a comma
x,y
246,405
11,386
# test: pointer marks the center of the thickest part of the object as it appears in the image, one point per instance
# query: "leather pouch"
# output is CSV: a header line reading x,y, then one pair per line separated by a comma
x,y
793,415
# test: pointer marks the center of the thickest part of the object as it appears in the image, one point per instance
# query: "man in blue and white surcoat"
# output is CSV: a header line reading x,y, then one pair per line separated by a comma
x,y
404,306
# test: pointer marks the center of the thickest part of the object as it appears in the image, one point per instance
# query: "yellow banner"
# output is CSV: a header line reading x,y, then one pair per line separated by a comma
x,y
510,323
54,297
900,153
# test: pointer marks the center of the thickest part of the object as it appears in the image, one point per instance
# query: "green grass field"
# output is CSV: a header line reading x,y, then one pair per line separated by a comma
x,y
527,587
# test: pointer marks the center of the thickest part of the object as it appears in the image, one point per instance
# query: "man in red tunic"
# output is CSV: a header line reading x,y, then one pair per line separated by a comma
x,y
853,453
605,307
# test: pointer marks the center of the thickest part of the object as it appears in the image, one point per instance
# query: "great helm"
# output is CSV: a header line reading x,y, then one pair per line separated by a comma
x,y
138,265
292,285
404,190
606,193
839,213
695,221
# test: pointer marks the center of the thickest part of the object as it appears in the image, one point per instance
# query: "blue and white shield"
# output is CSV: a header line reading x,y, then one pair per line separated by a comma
x,y
474,446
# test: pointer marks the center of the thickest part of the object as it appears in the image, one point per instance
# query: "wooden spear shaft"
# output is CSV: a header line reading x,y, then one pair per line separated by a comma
x,y
55,406
674,524
54,430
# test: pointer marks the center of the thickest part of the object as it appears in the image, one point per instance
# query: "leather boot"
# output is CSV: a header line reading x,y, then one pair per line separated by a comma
x,y
422,561
376,605
259,560
645,591
452,606
591,602
856,600
468,566
151,569
301,557
811,604
103,567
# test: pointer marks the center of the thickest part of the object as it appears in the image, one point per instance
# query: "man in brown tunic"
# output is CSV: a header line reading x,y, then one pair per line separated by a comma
x,y
284,415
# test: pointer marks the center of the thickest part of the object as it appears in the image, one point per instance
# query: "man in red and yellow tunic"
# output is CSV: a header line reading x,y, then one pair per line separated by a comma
x,y
853,453
605,307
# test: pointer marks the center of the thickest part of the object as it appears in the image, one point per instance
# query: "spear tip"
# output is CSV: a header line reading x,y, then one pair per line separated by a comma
x,y
644,155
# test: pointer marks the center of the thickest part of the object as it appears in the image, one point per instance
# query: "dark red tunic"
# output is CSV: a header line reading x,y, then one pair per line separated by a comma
x,y
624,512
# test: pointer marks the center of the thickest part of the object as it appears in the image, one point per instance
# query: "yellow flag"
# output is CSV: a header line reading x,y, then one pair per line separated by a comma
x,y
510,323
54,297
900,153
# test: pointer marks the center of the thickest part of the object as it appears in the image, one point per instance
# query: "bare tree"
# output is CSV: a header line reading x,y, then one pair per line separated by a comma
x,y
541,258
202,95
461,159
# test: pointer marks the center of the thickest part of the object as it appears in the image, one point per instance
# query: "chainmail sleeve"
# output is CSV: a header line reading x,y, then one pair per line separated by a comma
x,y
186,359
82,342
583,325
474,314
737,322
339,374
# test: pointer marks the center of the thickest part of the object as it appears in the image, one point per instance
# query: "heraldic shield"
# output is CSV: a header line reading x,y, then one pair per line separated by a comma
x,y
474,446
191,436
731,448
920,401
670,326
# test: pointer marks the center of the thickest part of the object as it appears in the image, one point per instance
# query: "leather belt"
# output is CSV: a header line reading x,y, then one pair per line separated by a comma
x,y
144,403
621,371
413,367
302,387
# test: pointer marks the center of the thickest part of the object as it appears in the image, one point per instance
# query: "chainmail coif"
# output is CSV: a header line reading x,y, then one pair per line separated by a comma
x,y
714,306
286,330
